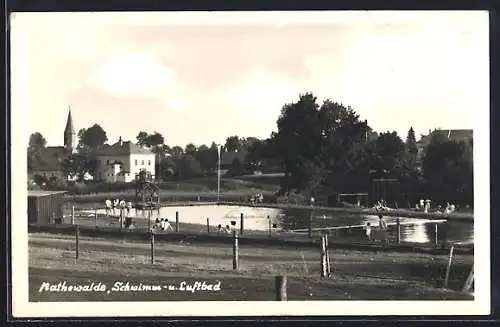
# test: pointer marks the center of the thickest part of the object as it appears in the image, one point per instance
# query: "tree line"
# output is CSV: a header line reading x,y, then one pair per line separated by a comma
x,y
323,149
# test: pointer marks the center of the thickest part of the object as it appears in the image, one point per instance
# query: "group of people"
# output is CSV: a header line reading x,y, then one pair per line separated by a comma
x,y
425,206
226,230
257,198
382,225
162,224
117,204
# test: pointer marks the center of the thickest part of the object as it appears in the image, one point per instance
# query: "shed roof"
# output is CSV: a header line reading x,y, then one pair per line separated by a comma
x,y
39,193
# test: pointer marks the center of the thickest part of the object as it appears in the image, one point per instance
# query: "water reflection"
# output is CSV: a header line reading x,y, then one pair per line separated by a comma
x,y
412,229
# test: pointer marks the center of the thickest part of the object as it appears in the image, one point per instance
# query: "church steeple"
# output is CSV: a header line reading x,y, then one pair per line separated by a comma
x,y
69,134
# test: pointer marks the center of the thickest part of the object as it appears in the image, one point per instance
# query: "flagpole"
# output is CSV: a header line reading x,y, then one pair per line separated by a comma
x,y
218,171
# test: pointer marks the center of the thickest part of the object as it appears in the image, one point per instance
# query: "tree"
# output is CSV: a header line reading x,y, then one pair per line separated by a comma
x,y
188,167
207,157
142,138
176,151
233,143
36,146
91,139
448,170
411,145
298,140
190,149
78,165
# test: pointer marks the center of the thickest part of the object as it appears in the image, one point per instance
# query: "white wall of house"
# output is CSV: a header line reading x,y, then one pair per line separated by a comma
x,y
132,165
106,171
142,161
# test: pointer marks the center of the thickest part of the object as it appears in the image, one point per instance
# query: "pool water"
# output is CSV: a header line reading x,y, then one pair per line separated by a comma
x,y
257,218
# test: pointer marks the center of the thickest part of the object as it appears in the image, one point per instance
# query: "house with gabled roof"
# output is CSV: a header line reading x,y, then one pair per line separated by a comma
x,y
49,164
455,135
122,162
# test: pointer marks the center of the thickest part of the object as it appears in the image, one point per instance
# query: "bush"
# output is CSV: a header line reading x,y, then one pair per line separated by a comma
x,y
293,198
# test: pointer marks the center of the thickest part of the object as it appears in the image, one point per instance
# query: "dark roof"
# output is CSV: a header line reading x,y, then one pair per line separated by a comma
x,y
455,135
69,124
227,158
125,149
50,159
39,193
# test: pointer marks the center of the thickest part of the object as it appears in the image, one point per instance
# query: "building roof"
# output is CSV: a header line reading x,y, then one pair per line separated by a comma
x,y
227,158
50,159
455,135
40,193
122,149
69,124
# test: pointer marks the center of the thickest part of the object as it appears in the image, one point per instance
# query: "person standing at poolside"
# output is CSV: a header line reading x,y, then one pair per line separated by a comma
x,y
109,205
382,225
129,207
368,231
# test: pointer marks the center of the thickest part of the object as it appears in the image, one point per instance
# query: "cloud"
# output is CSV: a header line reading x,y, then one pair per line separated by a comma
x,y
132,75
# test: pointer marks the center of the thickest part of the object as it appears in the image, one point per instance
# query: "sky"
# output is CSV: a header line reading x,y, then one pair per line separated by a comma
x,y
201,77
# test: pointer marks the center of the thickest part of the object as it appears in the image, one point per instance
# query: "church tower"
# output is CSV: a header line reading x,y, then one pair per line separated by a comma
x,y
69,134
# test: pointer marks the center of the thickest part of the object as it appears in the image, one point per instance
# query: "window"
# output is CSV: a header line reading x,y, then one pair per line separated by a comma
x,y
142,162
149,162
136,162
107,161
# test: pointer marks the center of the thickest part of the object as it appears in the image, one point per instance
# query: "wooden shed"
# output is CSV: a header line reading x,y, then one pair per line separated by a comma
x,y
45,207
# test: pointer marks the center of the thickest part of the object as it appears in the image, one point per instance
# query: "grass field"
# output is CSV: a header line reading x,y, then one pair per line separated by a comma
x,y
358,275
200,189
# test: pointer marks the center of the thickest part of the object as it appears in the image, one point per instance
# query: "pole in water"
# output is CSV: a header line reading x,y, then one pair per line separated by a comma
x,y
235,250
177,221
398,231
281,286
95,218
208,225
241,224
73,215
448,267
152,247
77,242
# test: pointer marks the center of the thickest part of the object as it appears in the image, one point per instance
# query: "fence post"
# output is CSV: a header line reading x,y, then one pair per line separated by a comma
x,y
323,257
152,247
269,221
77,242
281,286
235,250
468,282
177,221
436,235
398,231
327,253
241,224
448,267
208,225
310,225
72,214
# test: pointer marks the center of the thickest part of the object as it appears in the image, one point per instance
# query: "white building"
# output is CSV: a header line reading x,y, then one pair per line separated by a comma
x,y
122,161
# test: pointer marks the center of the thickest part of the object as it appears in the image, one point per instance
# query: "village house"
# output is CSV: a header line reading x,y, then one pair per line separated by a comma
x,y
455,135
49,164
122,161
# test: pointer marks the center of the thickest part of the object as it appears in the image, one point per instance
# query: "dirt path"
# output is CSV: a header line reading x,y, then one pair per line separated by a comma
x,y
357,275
